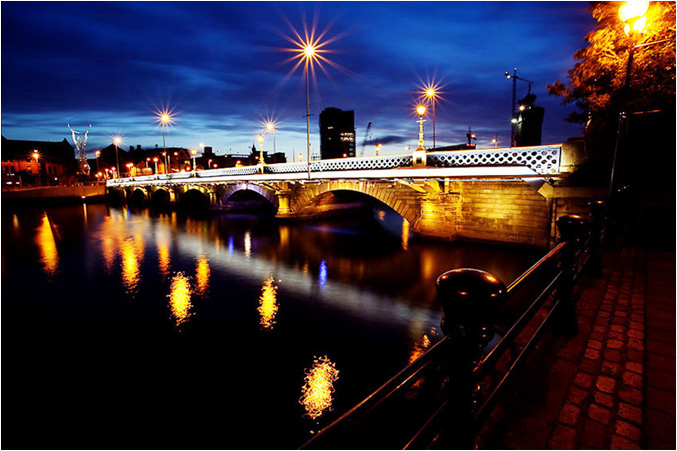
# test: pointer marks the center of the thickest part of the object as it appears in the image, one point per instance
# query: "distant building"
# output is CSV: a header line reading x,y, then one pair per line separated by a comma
x,y
272,158
337,133
55,160
529,123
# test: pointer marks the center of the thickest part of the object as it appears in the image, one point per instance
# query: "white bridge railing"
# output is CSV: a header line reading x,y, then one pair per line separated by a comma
x,y
537,161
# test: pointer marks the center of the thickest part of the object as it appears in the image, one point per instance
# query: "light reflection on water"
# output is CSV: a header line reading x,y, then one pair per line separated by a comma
x,y
202,273
179,298
159,263
268,304
318,388
47,245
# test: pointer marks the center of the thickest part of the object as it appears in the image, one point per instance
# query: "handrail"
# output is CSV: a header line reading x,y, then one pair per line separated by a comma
x,y
574,252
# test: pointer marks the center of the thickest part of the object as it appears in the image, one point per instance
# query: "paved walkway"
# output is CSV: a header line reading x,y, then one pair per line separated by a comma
x,y
611,386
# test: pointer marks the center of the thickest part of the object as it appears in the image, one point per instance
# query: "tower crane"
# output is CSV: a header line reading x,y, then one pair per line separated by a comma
x,y
367,137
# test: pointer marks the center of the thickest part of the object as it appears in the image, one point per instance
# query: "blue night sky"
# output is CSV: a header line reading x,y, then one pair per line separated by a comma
x,y
220,68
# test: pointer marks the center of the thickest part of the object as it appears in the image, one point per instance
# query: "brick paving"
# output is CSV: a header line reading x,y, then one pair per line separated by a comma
x,y
622,394
611,385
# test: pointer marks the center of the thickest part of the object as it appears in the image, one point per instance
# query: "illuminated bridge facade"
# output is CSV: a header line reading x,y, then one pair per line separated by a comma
x,y
505,195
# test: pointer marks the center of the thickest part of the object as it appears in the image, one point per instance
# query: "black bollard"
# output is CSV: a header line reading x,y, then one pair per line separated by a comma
x,y
571,230
469,299
597,208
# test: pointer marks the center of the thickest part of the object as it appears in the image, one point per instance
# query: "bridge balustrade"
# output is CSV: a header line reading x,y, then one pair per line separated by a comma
x,y
442,399
544,160
540,160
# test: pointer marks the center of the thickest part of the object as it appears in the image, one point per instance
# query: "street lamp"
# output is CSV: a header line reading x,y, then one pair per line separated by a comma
x,y
97,154
193,154
117,140
270,127
419,156
155,161
513,119
260,140
432,95
36,155
633,14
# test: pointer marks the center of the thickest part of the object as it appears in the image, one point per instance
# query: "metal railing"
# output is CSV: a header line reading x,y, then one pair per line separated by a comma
x,y
466,372
539,160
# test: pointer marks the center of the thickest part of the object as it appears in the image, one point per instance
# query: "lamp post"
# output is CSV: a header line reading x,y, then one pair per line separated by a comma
x,y
419,157
270,126
432,95
97,154
633,14
165,118
117,140
36,155
193,154
309,53
513,119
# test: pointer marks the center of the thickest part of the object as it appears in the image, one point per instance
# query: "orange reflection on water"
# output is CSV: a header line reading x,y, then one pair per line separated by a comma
x,y
318,388
179,298
268,304
202,273
47,245
163,258
130,266
419,348
405,234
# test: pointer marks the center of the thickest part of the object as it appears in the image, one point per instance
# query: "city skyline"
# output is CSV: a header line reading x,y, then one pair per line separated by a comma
x,y
223,71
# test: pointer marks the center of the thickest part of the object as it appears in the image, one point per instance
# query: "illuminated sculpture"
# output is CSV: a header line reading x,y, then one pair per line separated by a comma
x,y
80,145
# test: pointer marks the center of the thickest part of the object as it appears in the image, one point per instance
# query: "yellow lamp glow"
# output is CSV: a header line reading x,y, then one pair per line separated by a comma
x,y
633,14
420,110
260,138
309,51
430,92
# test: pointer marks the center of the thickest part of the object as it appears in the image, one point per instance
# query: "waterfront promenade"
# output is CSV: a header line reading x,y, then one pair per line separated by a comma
x,y
611,386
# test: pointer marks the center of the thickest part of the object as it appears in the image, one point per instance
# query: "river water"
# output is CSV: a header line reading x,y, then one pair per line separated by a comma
x,y
131,329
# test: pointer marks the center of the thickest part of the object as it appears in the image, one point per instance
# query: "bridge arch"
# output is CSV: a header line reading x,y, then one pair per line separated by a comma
x,y
138,195
401,198
162,197
194,198
268,193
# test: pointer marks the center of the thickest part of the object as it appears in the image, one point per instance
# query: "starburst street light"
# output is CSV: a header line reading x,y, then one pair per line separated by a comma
x,y
271,126
309,51
164,118
430,91
117,140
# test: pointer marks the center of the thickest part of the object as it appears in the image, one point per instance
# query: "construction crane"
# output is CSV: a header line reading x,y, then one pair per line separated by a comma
x,y
367,137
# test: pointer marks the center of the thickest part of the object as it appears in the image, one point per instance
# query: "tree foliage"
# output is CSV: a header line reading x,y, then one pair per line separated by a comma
x,y
596,82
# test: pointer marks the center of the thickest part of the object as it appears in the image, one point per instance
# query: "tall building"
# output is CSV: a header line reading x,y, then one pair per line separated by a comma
x,y
337,133
529,122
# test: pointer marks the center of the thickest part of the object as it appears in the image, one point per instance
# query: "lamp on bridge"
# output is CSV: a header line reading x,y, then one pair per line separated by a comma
x,y
193,155
117,140
419,157
259,166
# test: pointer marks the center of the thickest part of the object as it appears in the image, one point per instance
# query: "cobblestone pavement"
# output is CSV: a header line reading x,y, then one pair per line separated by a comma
x,y
612,385
622,395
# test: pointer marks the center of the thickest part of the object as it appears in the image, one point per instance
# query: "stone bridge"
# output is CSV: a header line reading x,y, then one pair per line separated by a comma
x,y
492,195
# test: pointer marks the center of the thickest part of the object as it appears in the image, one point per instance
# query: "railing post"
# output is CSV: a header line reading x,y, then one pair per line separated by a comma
x,y
469,299
571,229
596,225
